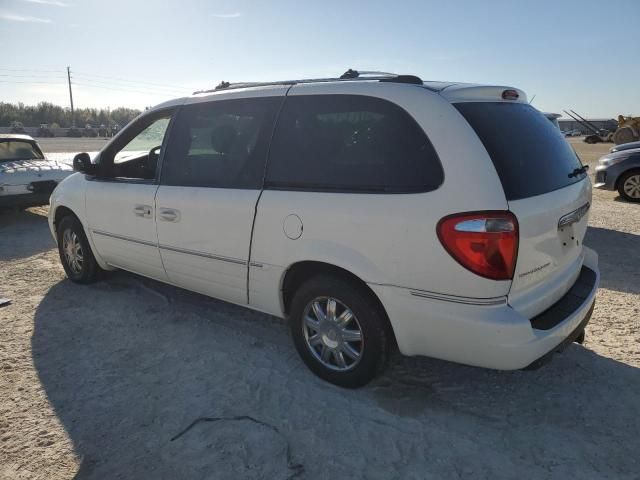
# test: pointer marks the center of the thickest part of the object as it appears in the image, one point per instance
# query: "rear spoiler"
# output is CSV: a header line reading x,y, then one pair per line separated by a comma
x,y
483,93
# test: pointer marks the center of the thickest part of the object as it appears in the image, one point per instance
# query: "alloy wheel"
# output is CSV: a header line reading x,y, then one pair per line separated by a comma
x,y
333,334
72,249
632,186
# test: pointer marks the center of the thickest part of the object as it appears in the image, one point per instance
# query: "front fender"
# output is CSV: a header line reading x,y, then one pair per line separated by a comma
x,y
70,194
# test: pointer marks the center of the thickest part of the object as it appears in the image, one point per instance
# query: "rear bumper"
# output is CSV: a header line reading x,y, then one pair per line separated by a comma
x,y
491,336
28,195
24,200
565,343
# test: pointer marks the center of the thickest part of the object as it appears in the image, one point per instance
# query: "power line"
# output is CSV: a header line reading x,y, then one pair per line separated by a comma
x,y
30,83
120,79
22,79
31,76
88,81
105,80
121,89
173,90
57,70
117,88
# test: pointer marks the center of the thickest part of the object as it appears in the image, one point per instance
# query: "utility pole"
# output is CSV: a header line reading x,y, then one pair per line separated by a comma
x,y
73,117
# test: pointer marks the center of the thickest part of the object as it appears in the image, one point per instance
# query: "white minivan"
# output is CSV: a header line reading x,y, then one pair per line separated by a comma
x,y
370,210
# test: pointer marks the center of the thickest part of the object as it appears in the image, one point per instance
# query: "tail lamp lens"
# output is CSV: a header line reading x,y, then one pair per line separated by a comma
x,y
484,242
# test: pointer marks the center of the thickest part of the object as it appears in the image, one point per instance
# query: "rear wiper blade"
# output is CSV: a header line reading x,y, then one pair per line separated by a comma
x,y
579,171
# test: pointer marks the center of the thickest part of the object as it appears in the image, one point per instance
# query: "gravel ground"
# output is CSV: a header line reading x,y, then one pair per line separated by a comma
x,y
97,381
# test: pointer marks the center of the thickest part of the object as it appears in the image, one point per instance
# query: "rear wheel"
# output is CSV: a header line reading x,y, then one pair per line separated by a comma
x,y
339,331
629,186
75,253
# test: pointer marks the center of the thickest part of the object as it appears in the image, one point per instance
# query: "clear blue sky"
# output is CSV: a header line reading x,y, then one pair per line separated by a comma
x,y
580,54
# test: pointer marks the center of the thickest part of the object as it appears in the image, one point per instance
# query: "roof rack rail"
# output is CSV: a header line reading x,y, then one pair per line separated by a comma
x,y
349,75
361,73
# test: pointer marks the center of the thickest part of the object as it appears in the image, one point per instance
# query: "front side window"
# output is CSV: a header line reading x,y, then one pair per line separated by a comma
x,y
151,137
220,144
350,143
136,154
13,150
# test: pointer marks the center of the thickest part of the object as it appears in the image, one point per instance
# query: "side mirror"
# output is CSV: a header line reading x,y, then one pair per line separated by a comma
x,y
82,163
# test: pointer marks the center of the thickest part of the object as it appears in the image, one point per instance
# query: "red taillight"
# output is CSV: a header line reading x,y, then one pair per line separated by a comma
x,y
484,242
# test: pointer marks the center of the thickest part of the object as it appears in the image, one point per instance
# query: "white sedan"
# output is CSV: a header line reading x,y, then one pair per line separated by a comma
x,y
27,178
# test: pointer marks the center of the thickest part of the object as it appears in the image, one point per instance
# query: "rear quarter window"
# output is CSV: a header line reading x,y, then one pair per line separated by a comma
x,y
350,143
529,153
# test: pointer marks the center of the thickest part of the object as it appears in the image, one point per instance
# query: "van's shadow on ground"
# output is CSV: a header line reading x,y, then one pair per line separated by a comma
x,y
29,233
128,363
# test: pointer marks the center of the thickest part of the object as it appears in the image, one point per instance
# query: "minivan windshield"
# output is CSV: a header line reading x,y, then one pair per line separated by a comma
x,y
13,150
529,153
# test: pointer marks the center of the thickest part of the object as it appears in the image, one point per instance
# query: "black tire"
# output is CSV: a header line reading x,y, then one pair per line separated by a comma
x,y
621,185
372,323
88,269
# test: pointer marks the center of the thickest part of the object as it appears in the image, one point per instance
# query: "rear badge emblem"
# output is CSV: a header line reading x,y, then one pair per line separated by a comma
x,y
573,217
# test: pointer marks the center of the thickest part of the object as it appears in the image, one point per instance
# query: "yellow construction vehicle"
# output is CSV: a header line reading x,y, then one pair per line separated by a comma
x,y
628,130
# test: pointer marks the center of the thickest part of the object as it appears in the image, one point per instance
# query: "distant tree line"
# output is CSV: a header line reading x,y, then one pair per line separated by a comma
x,y
57,116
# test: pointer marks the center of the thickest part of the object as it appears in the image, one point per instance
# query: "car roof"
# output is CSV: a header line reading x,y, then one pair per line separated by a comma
x,y
454,92
16,136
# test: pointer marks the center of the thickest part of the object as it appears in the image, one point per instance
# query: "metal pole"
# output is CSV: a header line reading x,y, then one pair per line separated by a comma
x,y
73,117
584,120
582,124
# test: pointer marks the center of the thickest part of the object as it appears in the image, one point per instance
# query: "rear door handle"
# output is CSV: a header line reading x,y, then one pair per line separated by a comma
x,y
169,215
142,211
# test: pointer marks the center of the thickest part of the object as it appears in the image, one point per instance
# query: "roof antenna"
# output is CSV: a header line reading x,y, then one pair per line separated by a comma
x,y
531,101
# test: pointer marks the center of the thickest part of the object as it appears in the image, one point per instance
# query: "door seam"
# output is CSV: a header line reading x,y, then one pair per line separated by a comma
x,y
264,176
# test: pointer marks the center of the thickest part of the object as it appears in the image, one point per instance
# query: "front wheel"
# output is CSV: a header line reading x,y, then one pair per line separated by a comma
x,y
339,331
629,186
75,253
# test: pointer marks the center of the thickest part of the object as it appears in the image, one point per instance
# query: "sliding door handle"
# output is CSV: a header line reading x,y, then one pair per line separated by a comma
x,y
169,215
142,211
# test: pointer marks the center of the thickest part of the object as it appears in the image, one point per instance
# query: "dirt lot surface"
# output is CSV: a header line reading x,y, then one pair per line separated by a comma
x,y
73,145
96,381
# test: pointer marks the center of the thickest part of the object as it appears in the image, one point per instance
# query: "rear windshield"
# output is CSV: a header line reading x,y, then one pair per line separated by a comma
x,y
529,153
18,150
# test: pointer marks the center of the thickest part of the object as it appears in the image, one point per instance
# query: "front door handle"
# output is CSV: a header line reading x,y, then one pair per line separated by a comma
x,y
142,211
169,215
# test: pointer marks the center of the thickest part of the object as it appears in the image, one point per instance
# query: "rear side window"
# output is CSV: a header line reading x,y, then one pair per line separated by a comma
x,y
220,144
529,153
350,143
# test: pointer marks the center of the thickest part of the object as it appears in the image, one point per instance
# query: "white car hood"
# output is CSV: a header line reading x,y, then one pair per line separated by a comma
x,y
26,171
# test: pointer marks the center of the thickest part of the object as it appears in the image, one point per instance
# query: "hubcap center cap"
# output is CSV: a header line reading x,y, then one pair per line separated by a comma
x,y
331,337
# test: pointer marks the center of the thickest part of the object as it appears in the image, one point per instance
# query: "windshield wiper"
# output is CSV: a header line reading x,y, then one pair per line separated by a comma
x,y
579,171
